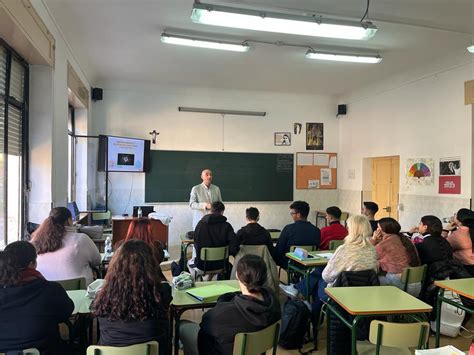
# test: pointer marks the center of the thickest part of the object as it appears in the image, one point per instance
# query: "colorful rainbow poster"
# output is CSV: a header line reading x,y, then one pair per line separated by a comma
x,y
420,171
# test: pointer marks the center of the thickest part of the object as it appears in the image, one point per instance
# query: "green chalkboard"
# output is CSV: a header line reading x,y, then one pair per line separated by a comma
x,y
240,176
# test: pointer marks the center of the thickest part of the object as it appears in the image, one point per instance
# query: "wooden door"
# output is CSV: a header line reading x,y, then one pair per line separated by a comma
x,y
385,184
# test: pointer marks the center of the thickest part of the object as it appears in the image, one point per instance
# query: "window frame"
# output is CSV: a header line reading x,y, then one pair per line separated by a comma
x,y
23,107
72,157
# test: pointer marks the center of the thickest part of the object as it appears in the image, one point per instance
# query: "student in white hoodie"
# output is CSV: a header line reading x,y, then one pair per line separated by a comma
x,y
63,253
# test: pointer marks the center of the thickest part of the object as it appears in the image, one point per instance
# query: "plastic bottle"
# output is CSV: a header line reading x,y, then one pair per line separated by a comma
x,y
139,212
108,247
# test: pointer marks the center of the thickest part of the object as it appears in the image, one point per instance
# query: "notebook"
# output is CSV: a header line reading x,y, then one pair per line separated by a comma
x,y
210,293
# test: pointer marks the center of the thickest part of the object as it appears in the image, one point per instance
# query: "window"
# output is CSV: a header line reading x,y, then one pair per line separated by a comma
x,y
71,176
13,146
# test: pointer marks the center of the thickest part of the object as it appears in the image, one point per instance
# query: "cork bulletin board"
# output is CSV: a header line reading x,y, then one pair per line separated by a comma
x,y
316,170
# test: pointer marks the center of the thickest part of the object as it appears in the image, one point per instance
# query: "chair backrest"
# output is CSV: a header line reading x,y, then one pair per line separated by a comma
x,y
214,254
101,216
257,342
31,351
149,348
398,335
344,217
333,244
412,275
78,283
305,247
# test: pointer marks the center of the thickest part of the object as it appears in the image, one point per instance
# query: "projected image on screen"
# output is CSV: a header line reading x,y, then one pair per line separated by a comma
x,y
125,154
125,159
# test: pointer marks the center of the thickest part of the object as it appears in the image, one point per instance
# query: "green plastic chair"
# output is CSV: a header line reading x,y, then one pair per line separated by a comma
x,y
257,343
149,348
334,244
31,351
78,283
104,218
398,335
344,217
413,275
213,254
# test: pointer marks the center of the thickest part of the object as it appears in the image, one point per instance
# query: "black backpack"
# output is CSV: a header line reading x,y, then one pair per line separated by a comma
x,y
294,324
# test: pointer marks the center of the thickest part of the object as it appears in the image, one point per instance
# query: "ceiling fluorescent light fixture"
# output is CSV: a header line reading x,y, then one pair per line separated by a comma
x,y
221,112
471,49
204,43
282,23
344,57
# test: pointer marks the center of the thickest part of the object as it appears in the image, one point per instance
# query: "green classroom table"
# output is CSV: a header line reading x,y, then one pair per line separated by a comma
x,y
464,287
370,301
183,302
305,266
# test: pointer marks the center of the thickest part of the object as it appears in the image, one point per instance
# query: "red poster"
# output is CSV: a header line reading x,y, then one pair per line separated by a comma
x,y
450,184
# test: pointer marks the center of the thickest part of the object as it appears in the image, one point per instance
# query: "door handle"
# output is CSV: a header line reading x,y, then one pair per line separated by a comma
x,y
388,209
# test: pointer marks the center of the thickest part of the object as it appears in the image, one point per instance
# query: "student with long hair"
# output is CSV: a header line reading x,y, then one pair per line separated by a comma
x,y
394,253
30,307
140,229
63,253
432,247
462,239
132,306
251,310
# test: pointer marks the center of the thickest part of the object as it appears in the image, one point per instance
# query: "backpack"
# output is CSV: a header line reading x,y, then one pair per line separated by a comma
x,y
294,324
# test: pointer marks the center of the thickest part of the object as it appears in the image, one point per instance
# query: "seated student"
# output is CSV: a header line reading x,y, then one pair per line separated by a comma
x,y
335,230
58,243
461,240
394,253
301,232
140,229
369,209
252,234
432,247
356,254
30,307
212,231
253,310
132,306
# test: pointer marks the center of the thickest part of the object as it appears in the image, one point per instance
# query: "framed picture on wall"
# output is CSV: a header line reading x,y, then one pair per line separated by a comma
x,y
282,138
314,136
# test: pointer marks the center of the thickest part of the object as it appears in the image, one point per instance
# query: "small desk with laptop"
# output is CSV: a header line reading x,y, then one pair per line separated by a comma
x,y
183,301
463,287
370,301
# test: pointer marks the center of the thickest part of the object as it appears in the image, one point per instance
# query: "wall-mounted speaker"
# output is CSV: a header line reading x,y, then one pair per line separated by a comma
x,y
341,110
97,94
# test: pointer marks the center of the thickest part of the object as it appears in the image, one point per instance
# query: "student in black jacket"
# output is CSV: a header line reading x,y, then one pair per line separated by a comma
x,y
252,234
132,306
30,307
252,310
433,247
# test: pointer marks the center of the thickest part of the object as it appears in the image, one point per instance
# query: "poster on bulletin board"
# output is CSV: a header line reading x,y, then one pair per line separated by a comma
x,y
316,170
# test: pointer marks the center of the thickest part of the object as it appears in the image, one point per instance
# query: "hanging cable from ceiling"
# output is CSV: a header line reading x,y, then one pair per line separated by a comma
x,y
366,13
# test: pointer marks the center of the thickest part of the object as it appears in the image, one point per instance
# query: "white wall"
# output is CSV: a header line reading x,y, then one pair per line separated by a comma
x,y
48,117
422,118
134,109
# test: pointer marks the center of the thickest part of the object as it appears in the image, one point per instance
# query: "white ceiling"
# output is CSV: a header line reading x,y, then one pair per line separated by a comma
x,y
120,40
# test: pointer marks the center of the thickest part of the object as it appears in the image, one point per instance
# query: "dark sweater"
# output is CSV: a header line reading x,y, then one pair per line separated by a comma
x,y
119,333
235,313
433,249
212,231
298,233
30,314
252,234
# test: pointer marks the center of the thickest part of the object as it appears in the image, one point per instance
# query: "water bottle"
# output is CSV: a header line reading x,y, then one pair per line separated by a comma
x,y
140,213
108,247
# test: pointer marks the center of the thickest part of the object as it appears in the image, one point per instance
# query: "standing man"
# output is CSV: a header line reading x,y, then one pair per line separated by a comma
x,y
369,209
202,196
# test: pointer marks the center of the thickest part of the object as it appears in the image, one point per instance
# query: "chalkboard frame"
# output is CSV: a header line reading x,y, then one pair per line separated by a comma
x,y
274,186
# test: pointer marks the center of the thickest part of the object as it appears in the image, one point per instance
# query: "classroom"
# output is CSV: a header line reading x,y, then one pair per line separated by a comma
x,y
386,118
